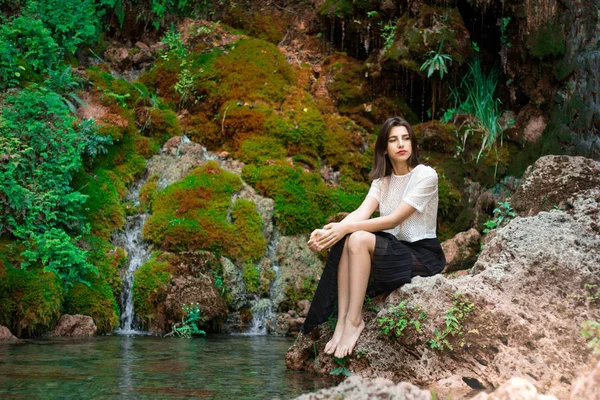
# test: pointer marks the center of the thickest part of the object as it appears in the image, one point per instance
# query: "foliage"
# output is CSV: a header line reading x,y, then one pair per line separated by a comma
x,y
591,331
503,22
388,33
251,276
40,207
436,61
341,370
63,83
400,317
476,97
455,319
501,214
188,326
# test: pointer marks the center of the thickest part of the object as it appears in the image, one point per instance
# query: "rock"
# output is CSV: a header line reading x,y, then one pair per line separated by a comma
x,y
234,282
514,389
141,45
6,335
298,266
529,298
587,386
75,325
552,182
303,307
461,250
357,388
116,55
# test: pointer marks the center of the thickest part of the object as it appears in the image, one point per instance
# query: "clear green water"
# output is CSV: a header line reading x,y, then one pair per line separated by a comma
x,y
141,367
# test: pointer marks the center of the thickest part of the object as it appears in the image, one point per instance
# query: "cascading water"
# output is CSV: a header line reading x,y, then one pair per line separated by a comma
x,y
138,252
262,309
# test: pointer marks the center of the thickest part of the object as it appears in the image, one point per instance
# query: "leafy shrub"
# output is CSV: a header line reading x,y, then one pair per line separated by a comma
x,y
188,327
39,205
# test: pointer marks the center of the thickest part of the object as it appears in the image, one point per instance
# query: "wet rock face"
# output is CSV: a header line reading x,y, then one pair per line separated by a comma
x,y
75,325
519,313
552,181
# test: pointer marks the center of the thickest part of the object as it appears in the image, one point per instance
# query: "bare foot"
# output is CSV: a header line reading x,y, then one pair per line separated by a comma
x,y
335,339
349,338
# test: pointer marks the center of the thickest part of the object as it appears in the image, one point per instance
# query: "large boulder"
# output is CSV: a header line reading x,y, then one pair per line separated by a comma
x,y
357,388
519,313
587,386
6,335
552,181
461,250
75,325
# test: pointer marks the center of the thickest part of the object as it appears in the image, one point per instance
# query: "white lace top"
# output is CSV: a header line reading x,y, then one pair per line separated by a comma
x,y
418,188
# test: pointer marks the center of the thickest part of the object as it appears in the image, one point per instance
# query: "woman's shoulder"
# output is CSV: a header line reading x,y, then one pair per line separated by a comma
x,y
425,170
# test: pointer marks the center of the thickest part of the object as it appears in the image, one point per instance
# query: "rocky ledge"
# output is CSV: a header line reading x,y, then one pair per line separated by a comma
x,y
518,313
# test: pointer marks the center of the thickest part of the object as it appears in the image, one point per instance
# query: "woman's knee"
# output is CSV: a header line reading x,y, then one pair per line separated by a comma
x,y
361,240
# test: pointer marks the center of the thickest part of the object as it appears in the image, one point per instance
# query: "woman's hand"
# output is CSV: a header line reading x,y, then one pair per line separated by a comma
x,y
332,233
312,242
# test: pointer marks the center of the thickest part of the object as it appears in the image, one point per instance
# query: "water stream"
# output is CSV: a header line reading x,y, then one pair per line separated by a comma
x,y
138,252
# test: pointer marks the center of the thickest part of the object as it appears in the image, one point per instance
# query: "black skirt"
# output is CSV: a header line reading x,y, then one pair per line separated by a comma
x,y
394,263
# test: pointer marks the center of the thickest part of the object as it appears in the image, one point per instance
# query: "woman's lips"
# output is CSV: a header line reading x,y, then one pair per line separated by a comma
x,y
401,152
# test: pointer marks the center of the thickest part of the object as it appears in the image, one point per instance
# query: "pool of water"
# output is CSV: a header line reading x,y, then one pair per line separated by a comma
x,y
137,367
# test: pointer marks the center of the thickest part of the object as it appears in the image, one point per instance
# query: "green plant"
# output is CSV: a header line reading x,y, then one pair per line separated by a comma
x,y
185,85
400,317
591,331
476,97
175,45
188,327
341,370
436,61
501,214
455,319
63,83
388,33
118,98
503,22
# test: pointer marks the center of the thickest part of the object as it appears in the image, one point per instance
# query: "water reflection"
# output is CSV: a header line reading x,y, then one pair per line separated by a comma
x,y
138,367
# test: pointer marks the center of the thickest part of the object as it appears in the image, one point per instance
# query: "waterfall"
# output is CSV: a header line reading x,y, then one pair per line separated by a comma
x,y
138,252
262,309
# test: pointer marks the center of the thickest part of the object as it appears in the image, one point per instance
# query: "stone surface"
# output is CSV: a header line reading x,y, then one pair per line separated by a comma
x,y
587,386
191,282
461,250
75,325
6,335
552,180
529,296
234,282
297,263
514,389
357,388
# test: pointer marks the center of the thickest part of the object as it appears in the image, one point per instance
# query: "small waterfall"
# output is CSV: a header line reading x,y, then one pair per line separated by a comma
x,y
262,309
138,252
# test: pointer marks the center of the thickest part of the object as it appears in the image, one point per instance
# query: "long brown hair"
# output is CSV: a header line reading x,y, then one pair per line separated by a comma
x,y
382,166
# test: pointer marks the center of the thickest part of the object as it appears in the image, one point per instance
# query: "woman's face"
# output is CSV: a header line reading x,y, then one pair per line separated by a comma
x,y
399,146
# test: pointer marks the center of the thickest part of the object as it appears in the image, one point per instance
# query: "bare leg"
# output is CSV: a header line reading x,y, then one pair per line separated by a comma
x,y
343,300
361,246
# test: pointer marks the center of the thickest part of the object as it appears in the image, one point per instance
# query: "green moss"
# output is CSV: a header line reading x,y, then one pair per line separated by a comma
x,y
161,125
303,290
547,40
109,260
251,275
149,286
148,193
104,209
300,126
258,149
192,215
96,301
31,301
302,200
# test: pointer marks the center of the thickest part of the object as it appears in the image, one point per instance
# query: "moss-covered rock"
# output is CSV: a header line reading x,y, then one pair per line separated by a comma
x,y
547,40
302,200
425,31
149,286
192,215
96,301
31,300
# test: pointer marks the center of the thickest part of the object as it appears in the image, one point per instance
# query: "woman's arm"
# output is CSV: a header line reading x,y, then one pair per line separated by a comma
x,y
336,231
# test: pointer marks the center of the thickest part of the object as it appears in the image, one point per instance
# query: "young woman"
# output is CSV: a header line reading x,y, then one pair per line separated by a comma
x,y
392,248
